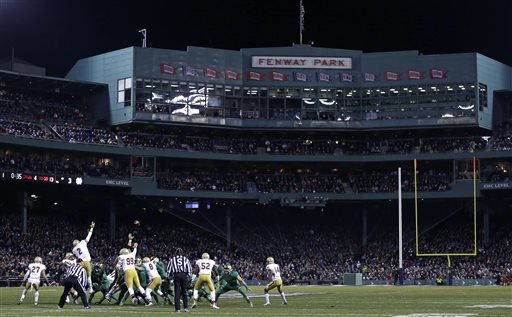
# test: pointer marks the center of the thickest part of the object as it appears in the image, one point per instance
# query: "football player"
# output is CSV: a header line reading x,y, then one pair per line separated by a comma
x,y
205,266
100,282
116,279
81,252
127,260
166,288
275,281
33,278
232,281
155,280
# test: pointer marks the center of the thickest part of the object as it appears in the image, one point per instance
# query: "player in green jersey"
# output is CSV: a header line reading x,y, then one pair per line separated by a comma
x,y
232,282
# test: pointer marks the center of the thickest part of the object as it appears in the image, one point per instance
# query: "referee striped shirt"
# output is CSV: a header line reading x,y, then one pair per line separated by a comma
x,y
79,272
179,264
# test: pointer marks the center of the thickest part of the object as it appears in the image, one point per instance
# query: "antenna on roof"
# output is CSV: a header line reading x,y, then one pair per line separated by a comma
x,y
302,12
143,31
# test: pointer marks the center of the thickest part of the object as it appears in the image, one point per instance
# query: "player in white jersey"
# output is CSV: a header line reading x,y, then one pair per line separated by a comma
x,y
117,275
33,278
81,252
127,260
205,266
68,260
155,280
111,277
275,281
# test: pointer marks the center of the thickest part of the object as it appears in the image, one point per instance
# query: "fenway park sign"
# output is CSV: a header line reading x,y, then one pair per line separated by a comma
x,y
301,62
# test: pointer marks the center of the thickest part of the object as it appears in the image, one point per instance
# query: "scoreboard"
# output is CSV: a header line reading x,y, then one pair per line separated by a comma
x,y
41,178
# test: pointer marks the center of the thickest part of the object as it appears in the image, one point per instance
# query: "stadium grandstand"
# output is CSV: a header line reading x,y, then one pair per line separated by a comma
x,y
290,151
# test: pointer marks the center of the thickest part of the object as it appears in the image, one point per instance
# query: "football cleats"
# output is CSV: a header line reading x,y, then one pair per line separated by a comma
x,y
38,259
124,251
205,256
270,260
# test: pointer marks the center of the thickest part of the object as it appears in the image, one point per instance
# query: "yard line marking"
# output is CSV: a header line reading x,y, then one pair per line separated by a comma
x,y
490,306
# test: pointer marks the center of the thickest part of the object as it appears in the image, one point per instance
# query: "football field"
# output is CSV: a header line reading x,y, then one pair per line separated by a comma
x,y
353,301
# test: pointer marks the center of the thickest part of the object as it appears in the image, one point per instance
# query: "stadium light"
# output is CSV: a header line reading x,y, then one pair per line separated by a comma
x,y
144,36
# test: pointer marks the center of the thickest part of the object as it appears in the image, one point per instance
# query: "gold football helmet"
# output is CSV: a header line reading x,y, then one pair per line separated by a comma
x,y
38,259
270,260
124,251
75,242
205,256
146,260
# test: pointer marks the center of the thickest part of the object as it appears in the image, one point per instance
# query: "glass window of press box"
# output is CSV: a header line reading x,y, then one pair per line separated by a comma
x,y
183,98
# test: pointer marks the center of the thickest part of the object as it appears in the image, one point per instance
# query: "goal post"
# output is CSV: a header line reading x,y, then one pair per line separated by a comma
x,y
448,254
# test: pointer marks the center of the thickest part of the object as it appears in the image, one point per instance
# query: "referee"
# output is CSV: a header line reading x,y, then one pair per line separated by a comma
x,y
76,277
181,271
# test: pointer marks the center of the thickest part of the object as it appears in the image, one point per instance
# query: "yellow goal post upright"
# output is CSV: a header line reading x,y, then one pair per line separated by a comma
x,y
448,255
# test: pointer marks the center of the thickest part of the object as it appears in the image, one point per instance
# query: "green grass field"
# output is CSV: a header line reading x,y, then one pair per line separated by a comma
x,y
353,301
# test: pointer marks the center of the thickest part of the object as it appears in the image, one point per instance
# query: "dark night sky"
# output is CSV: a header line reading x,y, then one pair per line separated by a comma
x,y
56,33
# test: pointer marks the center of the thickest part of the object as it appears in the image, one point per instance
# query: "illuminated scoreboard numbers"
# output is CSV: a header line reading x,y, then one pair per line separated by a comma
x,y
31,177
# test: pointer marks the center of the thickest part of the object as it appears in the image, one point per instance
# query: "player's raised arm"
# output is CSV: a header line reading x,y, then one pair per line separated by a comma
x,y
130,238
91,227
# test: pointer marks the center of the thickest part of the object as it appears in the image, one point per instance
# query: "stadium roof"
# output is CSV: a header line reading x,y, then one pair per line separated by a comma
x,y
48,83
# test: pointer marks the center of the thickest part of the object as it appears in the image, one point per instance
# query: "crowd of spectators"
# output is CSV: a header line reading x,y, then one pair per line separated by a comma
x,y
79,134
230,179
311,251
49,116
278,181
34,162
60,116
25,128
300,145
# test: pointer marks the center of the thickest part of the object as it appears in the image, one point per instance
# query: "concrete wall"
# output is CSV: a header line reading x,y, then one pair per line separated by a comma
x,y
108,68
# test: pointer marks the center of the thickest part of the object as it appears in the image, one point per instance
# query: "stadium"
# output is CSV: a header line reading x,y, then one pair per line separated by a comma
x,y
302,153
